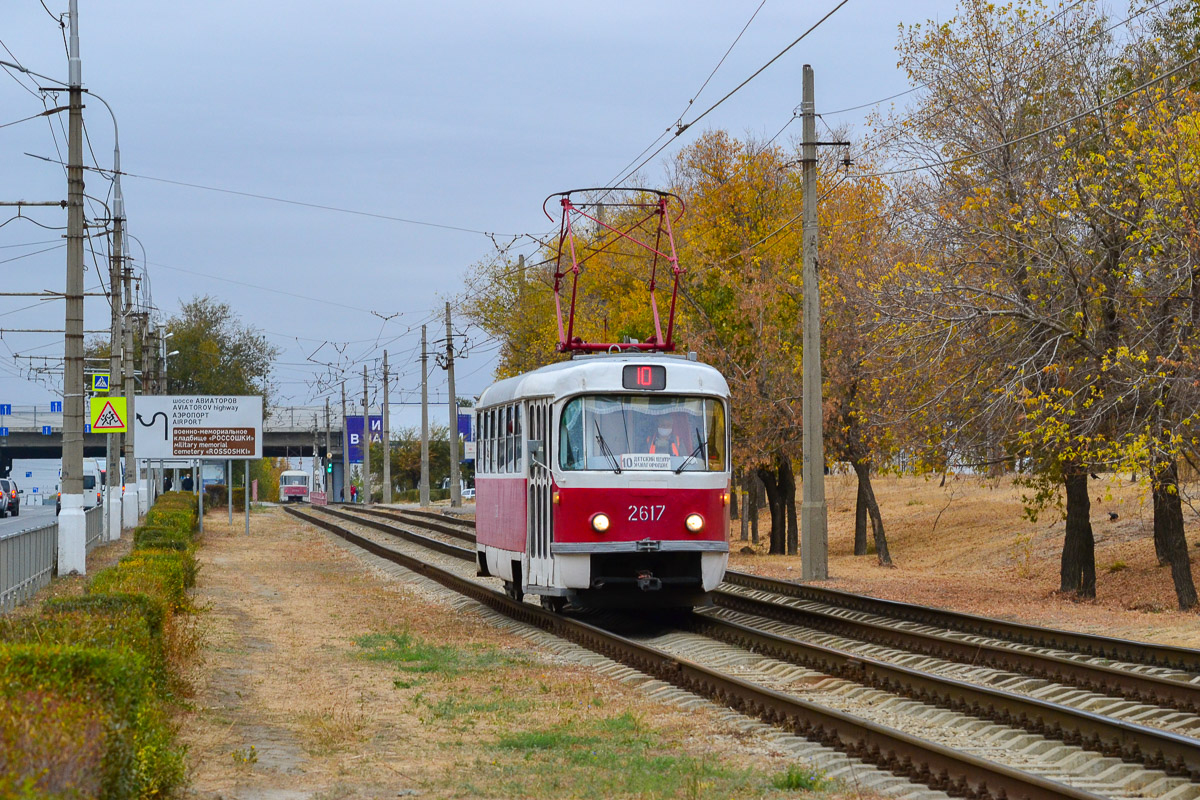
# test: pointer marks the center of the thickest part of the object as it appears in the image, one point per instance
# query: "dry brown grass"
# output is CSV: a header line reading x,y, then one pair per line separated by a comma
x,y
286,671
969,546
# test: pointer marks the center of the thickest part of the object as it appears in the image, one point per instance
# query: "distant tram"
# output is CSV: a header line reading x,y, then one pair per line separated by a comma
x,y
293,486
604,481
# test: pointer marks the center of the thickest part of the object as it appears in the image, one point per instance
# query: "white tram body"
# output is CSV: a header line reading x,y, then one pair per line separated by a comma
x,y
604,481
293,486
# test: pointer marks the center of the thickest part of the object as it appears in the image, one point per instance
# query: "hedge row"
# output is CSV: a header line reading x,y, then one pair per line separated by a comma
x,y
217,494
414,495
85,683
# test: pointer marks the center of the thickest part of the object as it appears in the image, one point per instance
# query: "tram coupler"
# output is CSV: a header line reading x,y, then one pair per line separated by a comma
x,y
647,582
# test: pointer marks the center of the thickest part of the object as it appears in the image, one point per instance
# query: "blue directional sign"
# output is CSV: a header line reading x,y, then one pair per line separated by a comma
x,y
87,428
5,409
47,430
354,427
464,427
34,490
28,474
56,406
100,382
4,431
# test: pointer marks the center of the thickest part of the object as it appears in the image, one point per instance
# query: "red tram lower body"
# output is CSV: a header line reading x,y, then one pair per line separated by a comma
x,y
660,544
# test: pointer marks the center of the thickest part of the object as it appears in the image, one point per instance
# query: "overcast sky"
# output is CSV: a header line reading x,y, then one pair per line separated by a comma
x,y
465,114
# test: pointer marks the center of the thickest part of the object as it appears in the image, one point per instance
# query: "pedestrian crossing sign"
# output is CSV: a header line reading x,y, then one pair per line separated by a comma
x,y
108,414
100,382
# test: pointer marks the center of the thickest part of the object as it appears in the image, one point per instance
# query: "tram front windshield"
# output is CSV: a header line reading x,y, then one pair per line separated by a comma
x,y
294,480
639,432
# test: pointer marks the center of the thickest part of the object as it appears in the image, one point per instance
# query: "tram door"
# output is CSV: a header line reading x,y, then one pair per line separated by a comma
x,y
540,569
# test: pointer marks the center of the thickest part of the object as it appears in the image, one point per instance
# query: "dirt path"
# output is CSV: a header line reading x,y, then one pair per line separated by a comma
x,y
324,679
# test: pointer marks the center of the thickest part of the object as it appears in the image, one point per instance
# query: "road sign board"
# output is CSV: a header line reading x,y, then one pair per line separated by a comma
x,y
108,414
28,474
99,381
87,427
354,427
34,490
56,406
5,409
197,426
4,431
47,430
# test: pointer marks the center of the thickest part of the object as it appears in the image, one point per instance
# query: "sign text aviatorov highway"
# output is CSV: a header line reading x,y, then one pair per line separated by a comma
x,y
200,426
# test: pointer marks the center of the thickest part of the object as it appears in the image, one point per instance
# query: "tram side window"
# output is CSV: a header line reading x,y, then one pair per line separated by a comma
x,y
517,438
481,457
490,445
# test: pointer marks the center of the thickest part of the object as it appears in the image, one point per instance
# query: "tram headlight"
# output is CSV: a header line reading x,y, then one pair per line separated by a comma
x,y
600,523
694,523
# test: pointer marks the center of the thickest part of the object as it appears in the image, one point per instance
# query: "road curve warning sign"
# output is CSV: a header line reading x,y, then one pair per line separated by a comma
x,y
198,426
107,414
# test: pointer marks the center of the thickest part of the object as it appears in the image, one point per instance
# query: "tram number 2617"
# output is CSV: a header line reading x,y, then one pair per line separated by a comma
x,y
646,513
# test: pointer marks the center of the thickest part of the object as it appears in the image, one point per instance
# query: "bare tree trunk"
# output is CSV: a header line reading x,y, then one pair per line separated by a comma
x,y
1168,531
860,520
752,503
778,514
1077,573
787,488
863,471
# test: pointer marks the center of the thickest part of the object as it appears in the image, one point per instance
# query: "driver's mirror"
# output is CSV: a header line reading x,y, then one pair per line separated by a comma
x,y
537,450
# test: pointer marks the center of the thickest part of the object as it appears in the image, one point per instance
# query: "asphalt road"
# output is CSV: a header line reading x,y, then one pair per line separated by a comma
x,y
31,517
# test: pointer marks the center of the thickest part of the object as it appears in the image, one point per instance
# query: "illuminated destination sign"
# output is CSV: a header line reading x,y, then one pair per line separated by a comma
x,y
647,377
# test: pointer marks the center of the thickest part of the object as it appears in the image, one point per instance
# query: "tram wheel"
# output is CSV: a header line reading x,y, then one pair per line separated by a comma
x,y
555,605
514,590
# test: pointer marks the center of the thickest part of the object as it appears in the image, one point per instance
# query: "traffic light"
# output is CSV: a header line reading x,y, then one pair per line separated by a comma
x,y
328,467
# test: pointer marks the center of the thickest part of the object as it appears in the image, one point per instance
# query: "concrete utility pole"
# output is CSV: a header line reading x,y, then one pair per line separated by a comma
x,y
326,484
424,420
814,546
366,441
129,501
313,484
345,449
72,526
116,380
387,438
455,488
142,471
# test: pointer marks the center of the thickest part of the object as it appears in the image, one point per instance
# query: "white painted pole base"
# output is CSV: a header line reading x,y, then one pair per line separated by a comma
x,y
143,496
72,536
112,507
129,506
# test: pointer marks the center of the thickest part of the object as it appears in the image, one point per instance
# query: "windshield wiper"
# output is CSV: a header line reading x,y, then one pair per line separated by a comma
x,y
606,451
699,447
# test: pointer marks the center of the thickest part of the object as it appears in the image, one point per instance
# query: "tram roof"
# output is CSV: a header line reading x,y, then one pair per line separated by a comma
x,y
602,373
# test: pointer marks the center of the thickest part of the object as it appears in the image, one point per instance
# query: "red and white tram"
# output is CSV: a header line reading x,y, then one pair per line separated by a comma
x,y
604,481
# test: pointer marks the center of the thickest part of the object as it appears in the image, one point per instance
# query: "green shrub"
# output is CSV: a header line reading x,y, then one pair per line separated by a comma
x,y
108,628
151,610
239,499
139,757
414,495
149,533
50,747
161,577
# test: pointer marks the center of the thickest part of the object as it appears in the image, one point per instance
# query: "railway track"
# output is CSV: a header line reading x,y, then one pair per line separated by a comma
x,y
839,678
940,634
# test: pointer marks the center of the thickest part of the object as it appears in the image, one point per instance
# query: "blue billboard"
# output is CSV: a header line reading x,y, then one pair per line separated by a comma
x,y
354,430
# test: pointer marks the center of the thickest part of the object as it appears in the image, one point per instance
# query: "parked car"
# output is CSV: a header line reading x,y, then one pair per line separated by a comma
x,y
4,504
9,488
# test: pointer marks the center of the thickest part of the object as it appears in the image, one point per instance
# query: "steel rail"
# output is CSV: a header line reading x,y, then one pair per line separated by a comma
x,y
934,765
432,524
1153,748
438,545
1157,690
1106,680
1115,649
